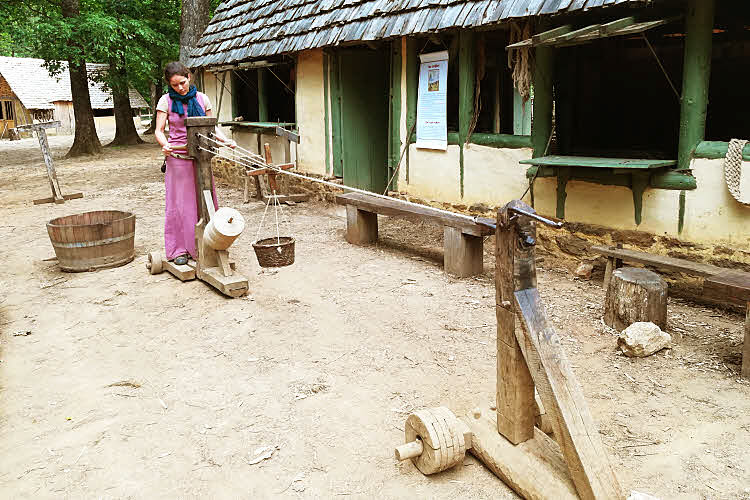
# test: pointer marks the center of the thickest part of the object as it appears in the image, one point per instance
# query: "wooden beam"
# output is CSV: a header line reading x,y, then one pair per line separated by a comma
x,y
563,399
572,34
395,112
746,346
287,134
533,469
611,27
515,388
699,23
466,79
553,33
541,127
262,96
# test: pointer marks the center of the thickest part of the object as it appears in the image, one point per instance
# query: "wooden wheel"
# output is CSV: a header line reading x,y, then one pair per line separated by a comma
x,y
155,263
434,440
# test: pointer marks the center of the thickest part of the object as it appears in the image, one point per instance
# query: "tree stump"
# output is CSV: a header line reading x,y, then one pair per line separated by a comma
x,y
634,295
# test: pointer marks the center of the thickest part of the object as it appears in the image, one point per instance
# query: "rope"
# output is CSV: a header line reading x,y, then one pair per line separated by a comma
x,y
333,184
733,170
262,219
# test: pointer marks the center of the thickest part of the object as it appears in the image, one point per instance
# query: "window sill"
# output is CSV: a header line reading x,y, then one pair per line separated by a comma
x,y
498,141
259,127
717,150
635,174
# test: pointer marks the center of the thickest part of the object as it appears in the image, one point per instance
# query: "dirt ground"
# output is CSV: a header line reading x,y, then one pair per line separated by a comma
x,y
139,386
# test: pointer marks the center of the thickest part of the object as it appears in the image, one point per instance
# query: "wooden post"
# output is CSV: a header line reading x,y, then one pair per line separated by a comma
x,y
699,23
466,77
746,346
462,253
51,174
515,388
395,112
196,126
412,84
262,96
541,128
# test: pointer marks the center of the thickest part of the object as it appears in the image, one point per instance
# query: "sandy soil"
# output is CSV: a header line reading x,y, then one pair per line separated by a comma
x,y
139,386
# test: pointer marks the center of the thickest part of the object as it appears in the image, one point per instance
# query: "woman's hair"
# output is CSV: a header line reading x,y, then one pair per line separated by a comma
x,y
175,68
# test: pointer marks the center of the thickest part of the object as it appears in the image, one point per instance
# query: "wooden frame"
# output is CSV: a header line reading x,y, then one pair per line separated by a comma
x,y
212,266
57,195
510,445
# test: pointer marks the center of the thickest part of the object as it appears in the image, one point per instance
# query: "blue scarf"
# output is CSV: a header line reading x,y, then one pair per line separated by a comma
x,y
193,106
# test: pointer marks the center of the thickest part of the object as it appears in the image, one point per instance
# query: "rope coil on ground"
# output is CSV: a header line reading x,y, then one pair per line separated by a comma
x,y
733,170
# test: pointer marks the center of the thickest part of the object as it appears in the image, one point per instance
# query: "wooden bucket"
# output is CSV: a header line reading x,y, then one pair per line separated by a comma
x,y
93,240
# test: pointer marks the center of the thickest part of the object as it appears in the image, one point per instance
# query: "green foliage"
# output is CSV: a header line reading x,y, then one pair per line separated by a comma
x,y
135,37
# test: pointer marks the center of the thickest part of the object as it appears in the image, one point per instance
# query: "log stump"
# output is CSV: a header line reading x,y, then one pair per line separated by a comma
x,y
634,295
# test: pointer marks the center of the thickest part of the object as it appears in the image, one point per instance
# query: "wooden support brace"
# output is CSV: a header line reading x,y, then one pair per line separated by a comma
x,y
529,467
746,346
361,226
462,253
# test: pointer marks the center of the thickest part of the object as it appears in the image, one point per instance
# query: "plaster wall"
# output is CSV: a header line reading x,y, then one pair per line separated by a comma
x,y
434,175
310,100
216,92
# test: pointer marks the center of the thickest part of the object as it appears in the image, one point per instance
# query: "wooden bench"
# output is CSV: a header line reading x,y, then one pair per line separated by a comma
x,y
720,284
463,238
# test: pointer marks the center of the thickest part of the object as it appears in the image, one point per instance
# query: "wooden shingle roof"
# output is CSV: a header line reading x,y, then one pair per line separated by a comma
x,y
242,30
32,83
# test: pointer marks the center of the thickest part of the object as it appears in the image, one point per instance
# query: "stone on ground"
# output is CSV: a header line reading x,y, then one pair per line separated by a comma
x,y
642,339
584,270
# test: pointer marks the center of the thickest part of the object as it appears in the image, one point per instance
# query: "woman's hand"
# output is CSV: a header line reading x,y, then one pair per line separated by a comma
x,y
230,143
166,149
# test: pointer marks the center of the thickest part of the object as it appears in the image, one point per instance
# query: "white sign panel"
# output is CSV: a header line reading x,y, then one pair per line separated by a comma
x,y
432,102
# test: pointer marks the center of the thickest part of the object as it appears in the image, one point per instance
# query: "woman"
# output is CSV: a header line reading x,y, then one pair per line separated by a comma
x,y
183,100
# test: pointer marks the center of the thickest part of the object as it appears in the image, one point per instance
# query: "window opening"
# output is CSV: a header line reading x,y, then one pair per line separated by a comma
x,y
612,98
278,84
497,94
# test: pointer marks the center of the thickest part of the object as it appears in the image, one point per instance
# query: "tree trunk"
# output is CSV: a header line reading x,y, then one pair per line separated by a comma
x,y
86,141
125,133
195,17
635,295
154,101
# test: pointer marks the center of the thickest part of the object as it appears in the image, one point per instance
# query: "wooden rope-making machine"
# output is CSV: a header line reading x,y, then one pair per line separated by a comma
x,y
507,438
215,231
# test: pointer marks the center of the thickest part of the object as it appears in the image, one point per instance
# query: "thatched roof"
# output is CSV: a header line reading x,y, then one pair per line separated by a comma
x,y
36,89
242,30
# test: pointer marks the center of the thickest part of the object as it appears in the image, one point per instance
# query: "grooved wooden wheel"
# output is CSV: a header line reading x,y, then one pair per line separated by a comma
x,y
441,436
155,263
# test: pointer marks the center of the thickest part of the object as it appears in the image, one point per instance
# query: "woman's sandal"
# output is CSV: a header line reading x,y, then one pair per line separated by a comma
x,y
181,260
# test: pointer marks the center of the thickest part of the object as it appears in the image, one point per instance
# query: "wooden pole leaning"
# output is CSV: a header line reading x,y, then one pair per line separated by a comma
x,y
41,133
575,464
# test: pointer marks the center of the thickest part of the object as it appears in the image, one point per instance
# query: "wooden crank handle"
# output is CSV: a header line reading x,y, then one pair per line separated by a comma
x,y
409,450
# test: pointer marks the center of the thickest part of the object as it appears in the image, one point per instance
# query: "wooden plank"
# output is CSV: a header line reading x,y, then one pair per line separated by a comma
x,y
515,388
660,261
183,272
66,197
232,286
594,162
534,469
399,208
288,134
51,174
729,285
38,126
563,399
553,33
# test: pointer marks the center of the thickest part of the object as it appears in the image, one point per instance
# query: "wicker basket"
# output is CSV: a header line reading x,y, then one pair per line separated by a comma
x,y
275,252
